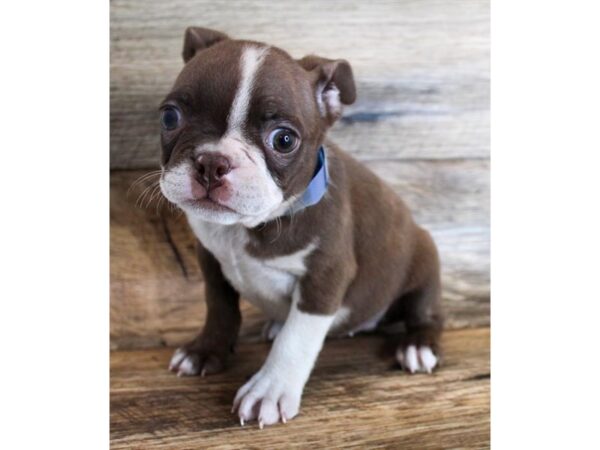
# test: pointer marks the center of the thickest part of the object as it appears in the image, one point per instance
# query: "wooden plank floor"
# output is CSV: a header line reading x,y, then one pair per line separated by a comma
x,y
356,398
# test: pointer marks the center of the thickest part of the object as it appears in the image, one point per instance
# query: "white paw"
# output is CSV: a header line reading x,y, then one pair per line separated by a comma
x,y
184,363
270,330
268,398
416,360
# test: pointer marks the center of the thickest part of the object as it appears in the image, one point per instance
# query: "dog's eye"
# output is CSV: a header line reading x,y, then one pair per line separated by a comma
x,y
283,140
170,118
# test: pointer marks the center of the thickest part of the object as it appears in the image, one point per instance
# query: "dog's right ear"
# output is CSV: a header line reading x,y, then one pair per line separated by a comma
x,y
333,83
197,38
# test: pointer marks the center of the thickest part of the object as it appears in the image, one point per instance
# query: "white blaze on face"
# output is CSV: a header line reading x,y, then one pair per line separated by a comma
x,y
251,191
252,58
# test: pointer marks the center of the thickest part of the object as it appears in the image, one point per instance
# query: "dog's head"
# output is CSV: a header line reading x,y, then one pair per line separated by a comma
x,y
242,126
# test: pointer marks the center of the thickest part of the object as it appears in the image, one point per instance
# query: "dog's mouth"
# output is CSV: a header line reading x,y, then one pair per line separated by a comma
x,y
208,204
248,201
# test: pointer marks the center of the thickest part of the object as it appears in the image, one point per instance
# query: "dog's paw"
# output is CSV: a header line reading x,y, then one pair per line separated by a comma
x,y
268,397
416,359
188,361
270,330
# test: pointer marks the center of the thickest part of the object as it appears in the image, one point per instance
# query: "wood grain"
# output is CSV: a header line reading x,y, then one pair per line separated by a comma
x,y
422,69
157,288
356,398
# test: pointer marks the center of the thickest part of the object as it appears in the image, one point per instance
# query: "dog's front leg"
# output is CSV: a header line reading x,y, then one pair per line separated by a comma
x,y
208,353
275,391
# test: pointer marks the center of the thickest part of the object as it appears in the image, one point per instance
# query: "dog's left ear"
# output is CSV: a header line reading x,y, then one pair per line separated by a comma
x,y
197,38
333,84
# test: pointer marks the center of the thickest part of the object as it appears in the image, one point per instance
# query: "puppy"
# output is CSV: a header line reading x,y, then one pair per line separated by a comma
x,y
286,219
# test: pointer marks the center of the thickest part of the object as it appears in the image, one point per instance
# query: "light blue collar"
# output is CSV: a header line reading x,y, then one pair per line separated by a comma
x,y
317,187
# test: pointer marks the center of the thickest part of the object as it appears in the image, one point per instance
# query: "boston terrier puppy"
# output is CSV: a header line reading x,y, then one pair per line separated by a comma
x,y
287,220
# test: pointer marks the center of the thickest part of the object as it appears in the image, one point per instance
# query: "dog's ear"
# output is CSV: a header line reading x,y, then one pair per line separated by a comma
x,y
333,84
197,38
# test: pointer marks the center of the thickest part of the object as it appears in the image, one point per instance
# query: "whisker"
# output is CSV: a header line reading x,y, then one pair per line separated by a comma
x,y
161,198
141,179
141,196
145,176
140,201
152,195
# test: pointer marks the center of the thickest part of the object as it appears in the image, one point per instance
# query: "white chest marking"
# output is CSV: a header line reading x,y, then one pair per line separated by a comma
x,y
266,283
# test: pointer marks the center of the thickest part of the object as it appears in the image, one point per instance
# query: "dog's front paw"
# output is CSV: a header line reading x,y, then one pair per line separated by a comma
x,y
416,358
268,397
191,361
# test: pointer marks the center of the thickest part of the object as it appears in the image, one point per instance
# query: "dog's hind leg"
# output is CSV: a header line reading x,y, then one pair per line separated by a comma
x,y
420,311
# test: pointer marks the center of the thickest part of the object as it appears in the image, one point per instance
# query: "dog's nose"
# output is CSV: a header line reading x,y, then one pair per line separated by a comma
x,y
211,168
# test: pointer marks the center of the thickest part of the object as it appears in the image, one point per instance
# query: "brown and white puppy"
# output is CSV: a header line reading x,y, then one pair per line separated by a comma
x,y
242,131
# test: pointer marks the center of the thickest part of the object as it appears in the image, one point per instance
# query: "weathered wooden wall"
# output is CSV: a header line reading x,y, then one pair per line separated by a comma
x,y
422,68
421,121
